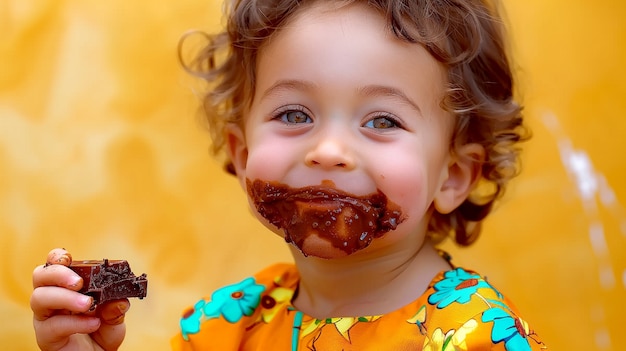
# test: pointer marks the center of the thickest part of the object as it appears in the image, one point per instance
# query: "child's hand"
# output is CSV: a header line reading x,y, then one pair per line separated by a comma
x,y
64,319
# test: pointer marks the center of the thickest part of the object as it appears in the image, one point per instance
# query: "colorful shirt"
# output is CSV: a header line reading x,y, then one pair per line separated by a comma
x,y
460,310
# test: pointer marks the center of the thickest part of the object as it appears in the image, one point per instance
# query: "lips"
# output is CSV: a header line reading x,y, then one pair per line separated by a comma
x,y
342,220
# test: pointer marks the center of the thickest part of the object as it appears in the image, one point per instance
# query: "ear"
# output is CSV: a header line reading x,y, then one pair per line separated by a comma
x,y
237,150
464,171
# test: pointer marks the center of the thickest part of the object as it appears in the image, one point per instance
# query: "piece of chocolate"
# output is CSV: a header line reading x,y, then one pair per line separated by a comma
x,y
106,280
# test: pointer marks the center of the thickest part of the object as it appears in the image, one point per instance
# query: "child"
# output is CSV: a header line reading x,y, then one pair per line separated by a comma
x,y
364,132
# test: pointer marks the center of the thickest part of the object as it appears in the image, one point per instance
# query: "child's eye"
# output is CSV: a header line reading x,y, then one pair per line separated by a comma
x,y
294,117
382,122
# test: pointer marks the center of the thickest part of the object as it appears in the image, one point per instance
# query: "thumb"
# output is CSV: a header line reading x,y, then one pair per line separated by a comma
x,y
112,328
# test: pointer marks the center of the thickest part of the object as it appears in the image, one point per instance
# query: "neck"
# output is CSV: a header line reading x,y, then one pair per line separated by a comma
x,y
365,284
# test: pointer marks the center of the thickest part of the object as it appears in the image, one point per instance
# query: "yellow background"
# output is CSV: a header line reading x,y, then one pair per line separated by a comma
x,y
100,153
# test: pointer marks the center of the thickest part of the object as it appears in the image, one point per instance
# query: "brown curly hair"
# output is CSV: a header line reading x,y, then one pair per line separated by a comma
x,y
466,36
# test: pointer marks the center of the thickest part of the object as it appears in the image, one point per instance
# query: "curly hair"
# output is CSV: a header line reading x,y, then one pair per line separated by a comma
x,y
466,36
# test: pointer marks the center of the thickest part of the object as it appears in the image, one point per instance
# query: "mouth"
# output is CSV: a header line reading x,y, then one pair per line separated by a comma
x,y
345,222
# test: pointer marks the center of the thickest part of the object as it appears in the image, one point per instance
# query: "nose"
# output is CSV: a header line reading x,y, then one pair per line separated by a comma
x,y
331,153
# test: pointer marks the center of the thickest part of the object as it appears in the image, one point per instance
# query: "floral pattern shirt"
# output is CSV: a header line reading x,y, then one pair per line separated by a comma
x,y
460,310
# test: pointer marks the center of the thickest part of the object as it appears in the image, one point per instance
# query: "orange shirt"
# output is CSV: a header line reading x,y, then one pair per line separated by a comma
x,y
460,310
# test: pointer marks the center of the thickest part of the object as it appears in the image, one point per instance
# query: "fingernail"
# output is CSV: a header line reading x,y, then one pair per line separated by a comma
x,y
86,300
74,281
93,322
122,307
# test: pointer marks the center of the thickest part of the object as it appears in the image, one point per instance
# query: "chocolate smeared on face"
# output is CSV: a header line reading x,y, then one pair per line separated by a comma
x,y
346,221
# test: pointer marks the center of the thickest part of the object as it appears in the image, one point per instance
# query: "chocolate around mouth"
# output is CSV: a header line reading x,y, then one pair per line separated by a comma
x,y
348,222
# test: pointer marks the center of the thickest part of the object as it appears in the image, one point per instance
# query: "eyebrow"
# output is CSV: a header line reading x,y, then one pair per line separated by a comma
x,y
288,84
383,90
366,91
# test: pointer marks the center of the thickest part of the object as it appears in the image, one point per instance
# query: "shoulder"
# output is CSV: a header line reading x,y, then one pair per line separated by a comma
x,y
464,309
229,311
286,273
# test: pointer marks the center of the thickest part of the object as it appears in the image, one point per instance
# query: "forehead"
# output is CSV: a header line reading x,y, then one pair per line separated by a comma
x,y
339,45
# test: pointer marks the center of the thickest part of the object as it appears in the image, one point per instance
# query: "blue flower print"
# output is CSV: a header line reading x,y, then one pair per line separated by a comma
x,y
507,328
235,301
190,322
458,285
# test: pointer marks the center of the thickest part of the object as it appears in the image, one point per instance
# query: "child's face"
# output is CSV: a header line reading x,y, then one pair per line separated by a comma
x,y
338,98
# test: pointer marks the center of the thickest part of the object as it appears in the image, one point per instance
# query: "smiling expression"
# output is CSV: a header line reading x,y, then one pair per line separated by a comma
x,y
339,99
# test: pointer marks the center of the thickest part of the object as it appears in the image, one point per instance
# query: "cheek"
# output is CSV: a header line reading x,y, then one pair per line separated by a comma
x,y
407,187
411,181
268,159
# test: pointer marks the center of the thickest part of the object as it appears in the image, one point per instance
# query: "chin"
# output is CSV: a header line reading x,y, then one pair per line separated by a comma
x,y
314,246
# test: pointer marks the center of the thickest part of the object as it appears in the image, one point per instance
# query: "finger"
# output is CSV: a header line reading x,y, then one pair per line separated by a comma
x,y
55,330
56,275
110,337
112,328
46,301
113,312
59,256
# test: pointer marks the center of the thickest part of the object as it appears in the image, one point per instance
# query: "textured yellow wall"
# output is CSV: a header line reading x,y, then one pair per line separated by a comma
x,y
100,153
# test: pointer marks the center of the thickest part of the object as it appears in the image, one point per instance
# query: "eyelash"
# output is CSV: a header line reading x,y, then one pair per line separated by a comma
x,y
278,115
395,121
281,112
